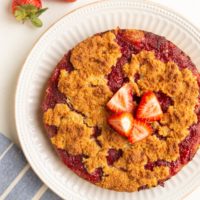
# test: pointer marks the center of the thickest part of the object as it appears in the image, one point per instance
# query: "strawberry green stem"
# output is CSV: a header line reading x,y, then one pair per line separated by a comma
x,y
29,12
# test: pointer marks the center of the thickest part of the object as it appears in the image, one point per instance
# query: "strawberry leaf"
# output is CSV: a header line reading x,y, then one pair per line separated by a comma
x,y
30,12
36,21
40,11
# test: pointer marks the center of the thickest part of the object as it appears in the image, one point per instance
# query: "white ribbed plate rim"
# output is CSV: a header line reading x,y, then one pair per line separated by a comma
x,y
62,36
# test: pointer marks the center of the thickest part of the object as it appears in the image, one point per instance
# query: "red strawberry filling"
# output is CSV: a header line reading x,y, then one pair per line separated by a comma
x,y
97,133
75,163
164,101
52,130
188,146
116,77
53,95
113,155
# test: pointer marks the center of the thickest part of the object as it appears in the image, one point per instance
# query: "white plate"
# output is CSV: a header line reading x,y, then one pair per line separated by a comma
x,y
67,32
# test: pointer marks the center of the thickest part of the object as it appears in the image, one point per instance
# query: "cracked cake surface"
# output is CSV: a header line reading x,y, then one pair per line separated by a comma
x,y
75,113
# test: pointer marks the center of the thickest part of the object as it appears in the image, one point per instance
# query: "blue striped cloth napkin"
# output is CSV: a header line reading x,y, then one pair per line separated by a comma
x,y
17,179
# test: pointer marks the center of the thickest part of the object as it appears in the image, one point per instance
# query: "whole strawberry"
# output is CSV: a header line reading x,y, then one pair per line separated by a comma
x,y
28,10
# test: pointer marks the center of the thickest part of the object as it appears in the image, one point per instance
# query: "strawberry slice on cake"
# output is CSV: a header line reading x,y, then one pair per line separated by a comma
x,y
149,108
139,131
122,123
122,101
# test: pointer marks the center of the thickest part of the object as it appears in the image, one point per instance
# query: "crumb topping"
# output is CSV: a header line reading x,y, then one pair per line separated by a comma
x,y
87,93
73,134
96,55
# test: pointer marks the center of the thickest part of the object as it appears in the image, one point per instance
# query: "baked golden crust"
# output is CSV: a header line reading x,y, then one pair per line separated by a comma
x,y
87,92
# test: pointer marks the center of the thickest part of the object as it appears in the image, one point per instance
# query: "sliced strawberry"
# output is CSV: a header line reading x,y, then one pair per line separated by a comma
x,y
139,131
122,101
121,122
149,108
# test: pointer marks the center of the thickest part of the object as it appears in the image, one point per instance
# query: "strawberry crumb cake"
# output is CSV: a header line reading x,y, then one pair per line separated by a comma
x,y
122,109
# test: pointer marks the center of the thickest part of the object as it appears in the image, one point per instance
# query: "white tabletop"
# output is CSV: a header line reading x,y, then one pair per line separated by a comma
x,y
16,41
